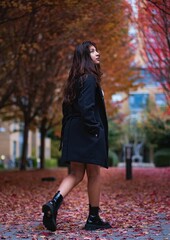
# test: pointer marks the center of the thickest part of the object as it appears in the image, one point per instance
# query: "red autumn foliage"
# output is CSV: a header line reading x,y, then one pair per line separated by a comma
x,y
37,39
154,30
132,205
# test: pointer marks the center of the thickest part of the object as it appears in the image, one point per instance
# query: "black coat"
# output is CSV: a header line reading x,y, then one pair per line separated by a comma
x,y
85,126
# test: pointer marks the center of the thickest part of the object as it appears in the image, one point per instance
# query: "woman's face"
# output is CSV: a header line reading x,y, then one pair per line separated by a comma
x,y
95,56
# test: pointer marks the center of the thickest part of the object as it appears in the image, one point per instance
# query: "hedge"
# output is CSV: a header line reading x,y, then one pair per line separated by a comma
x,y
162,158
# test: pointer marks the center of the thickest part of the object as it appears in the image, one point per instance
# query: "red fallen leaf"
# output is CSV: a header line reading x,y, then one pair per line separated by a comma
x,y
39,227
46,234
34,238
124,204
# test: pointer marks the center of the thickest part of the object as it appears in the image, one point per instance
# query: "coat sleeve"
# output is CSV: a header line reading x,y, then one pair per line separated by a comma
x,y
86,103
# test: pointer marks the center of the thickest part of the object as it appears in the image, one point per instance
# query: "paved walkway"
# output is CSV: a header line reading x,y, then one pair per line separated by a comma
x,y
137,209
159,231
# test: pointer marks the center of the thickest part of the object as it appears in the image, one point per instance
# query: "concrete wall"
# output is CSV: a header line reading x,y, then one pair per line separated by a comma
x,y
10,142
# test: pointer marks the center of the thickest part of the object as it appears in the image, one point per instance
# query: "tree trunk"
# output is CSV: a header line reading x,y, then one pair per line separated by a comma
x,y
24,147
42,148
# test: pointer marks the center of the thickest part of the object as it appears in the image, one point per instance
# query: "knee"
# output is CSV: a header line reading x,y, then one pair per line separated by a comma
x,y
77,175
93,173
93,177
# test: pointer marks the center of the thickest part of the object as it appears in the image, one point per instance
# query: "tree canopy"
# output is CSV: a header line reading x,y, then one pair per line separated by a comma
x,y
37,39
154,29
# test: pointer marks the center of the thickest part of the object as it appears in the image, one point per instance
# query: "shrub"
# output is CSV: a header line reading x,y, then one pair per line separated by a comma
x,y
31,162
162,158
157,128
114,135
1,166
113,159
51,163
34,162
55,153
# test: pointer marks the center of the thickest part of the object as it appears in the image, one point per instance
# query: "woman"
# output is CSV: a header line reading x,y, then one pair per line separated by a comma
x,y
84,135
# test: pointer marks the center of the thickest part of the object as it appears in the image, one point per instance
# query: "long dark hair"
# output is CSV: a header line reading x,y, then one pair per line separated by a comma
x,y
81,66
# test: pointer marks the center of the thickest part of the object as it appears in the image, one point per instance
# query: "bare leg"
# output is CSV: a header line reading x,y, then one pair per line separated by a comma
x,y
50,209
77,171
93,174
94,221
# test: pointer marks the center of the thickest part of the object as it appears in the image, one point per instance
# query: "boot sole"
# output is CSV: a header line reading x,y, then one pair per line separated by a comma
x,y
91,227
49,220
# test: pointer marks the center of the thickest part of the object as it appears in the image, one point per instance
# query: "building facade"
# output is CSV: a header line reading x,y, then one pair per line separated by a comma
x,y
11,141
137,101
133,109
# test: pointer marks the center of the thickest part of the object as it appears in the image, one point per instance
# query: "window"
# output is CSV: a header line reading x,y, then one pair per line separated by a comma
x,y
117,98
148,78
2,129
14,150
160,99
138,101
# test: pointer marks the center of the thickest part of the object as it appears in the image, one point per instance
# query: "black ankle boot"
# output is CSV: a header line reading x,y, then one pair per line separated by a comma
x,y
50,211
94,221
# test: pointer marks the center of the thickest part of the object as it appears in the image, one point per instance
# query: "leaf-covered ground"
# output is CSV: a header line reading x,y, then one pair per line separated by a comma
x,y
136,209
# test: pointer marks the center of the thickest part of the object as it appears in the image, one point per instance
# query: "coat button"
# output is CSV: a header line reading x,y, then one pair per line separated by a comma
x,y
96,135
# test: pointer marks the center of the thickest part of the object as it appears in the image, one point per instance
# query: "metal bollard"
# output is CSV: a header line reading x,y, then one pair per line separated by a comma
x,y
128,159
